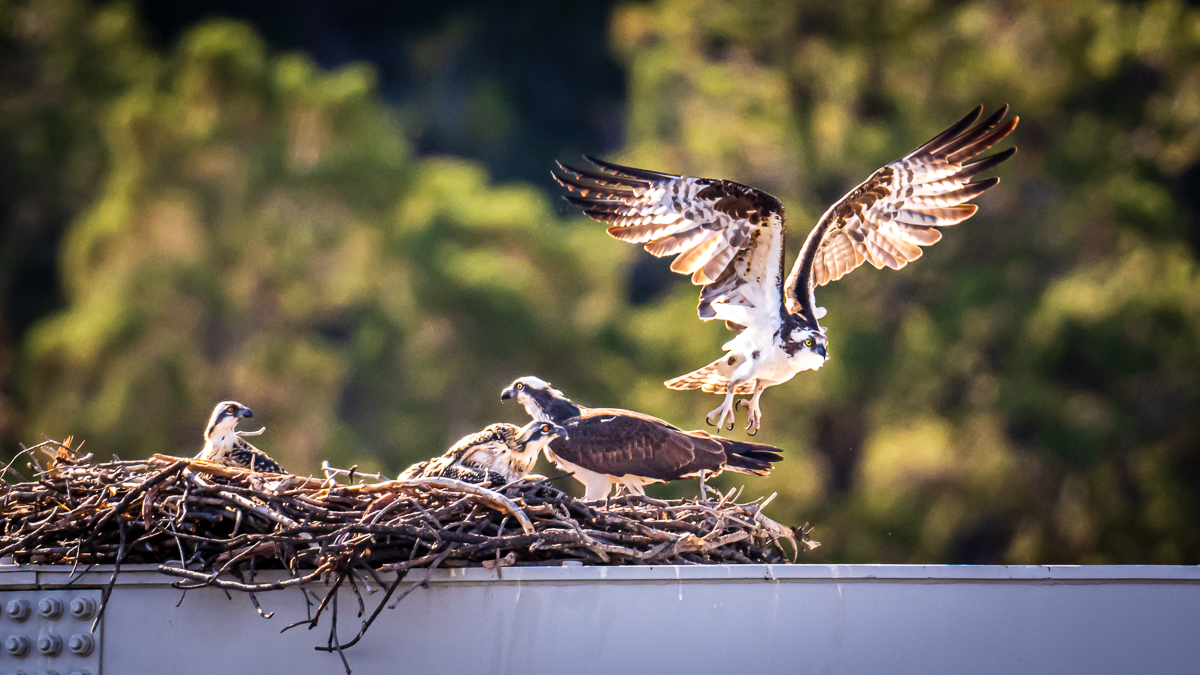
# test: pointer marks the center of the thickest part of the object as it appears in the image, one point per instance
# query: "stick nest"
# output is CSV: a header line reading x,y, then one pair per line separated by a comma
x,y
212,525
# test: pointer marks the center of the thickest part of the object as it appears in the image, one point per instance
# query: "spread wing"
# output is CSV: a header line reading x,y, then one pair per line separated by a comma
x,y
727,236
890,216
623,443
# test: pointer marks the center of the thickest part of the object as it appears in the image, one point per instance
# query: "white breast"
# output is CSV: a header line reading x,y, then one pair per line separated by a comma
x,y
778,367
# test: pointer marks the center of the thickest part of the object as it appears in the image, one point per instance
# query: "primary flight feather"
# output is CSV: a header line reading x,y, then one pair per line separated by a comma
x,y
730,238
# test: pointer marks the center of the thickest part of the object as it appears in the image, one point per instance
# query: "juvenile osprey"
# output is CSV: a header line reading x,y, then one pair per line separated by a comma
x,y
499,454
730,238
224,445
608,446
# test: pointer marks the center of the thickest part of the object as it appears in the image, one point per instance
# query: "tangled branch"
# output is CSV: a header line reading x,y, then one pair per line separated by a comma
x,y
213,525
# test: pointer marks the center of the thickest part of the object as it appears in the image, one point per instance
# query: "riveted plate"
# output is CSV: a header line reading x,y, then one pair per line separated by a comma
x,y
47,615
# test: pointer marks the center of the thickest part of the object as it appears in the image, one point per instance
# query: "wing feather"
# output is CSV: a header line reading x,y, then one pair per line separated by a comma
x,y
727,236
890,216
950,215
620,443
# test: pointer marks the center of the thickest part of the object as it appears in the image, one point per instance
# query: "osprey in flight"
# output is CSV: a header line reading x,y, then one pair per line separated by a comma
x,y
500,454
730,239
608,446
224,444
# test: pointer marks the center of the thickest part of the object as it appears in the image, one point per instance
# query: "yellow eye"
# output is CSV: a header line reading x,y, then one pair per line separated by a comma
x,y
545,428
231,410
520,385
808,342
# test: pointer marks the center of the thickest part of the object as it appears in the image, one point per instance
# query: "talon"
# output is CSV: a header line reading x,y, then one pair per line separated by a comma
x,y
708,421
753,433
730,426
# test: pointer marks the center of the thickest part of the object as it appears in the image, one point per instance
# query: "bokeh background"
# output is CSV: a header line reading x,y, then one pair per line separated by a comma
x,y
340,214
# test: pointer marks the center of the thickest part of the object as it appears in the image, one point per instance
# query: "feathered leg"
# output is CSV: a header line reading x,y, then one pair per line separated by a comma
x,y
741,374
598,488
754,412
722,411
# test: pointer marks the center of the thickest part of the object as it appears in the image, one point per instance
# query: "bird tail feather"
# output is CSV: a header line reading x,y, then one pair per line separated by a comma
x,y
713,379
751,458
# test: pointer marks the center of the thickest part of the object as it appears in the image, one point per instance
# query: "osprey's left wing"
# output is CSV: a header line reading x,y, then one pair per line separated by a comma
x,y
249,457
727,236
624,443
890,216
442,467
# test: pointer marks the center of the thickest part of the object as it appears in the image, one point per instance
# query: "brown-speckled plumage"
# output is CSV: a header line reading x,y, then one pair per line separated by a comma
x,y
730,239
499,453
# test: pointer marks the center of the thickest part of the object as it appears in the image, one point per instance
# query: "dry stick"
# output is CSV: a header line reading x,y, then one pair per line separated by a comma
x,y
362,607
112,580
392,589
307,524
491,497
211,580
374,575
333,638
24,450
260,510
325,601
21,544
132,495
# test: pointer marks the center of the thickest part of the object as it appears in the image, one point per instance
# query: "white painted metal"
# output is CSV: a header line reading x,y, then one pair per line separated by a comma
x,y
694,619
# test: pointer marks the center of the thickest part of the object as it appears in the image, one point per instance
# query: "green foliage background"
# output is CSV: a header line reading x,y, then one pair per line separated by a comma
x,y
237,223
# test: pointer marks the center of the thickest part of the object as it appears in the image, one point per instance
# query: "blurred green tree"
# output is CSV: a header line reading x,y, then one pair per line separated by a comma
x,y
264,235
1027,391
62,63
257,229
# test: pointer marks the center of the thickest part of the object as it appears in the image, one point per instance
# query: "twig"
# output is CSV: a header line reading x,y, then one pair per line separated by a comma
x,y
206,524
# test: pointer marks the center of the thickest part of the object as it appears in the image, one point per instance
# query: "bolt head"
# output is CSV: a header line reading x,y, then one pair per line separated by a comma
x,y
17,610
83,608
51,608
50,645
17,645
81,645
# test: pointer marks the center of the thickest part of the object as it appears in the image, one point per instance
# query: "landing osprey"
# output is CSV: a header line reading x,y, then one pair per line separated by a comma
x,y
499,454
730,238
224,444
608,446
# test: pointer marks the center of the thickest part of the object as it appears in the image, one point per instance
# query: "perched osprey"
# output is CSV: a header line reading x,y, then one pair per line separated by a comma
x,y
224,444
730,238
500,454
607,446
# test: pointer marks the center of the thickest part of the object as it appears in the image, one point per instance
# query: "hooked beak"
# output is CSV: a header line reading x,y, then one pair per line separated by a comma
x,y
562,432
821,350
245,412
507,394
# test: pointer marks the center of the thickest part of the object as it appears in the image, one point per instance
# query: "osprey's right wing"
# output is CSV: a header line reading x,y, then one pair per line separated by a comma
x,y
727,236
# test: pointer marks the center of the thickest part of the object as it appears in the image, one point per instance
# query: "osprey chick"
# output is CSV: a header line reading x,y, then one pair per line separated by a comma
x,y
500,454
730,238
223,444
609,446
